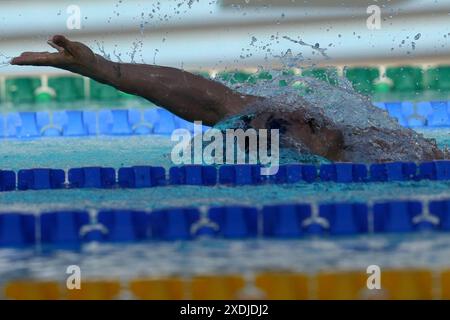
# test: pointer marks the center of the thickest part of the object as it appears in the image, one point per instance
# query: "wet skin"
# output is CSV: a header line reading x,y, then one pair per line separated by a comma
x,y
195,98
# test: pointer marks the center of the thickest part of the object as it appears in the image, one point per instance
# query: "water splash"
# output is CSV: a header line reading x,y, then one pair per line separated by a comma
x,y
370,134
5,60
102,50
315,47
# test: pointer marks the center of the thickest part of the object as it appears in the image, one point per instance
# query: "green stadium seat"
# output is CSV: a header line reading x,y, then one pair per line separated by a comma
x,y
44,95
103,92
126,96
237,77
21,90
67,88
325,74
406,78
382,86
264,75
288,72
438,78
363,78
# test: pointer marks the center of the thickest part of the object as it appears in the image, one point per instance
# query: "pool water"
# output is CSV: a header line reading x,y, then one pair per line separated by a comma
x,y
155,150
205,256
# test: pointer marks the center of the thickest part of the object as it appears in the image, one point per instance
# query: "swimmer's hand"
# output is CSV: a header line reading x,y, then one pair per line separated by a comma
x,y
72,56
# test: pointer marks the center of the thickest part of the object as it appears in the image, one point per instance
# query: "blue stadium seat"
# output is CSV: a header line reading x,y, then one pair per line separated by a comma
x,y
17,230
173,224
22,125
47,128
397,111
114,122
139,125
380,105
183,124
63,228
396,216
345,218
31,125
163,121
440,115
417,121
40,179
76,123
142,177
92,177
235,222
285,221
424,110
2,126
124,225
193,175
7,180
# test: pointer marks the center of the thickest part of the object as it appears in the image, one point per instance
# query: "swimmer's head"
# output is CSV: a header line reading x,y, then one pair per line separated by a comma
x,y
318,135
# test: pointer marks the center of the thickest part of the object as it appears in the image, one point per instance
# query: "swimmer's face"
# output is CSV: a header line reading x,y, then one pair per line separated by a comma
x,y
322,140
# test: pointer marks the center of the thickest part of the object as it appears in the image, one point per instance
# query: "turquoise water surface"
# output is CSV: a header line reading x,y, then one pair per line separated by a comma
x,y
430,250
65,153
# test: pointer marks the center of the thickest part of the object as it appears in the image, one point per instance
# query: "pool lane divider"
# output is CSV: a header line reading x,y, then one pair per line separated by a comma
x,y
230,175
124,122
71,228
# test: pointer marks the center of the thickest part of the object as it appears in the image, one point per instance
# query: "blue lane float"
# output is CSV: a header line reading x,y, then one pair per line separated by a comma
x,y
40,179
7,180
70,229
17,230
196,175
393,171
343,172
435,170
441,209
63,228
231,175
240,174
92,177
234,222
345,218
286,221
124,225
173,224
293,173
397,216
141,177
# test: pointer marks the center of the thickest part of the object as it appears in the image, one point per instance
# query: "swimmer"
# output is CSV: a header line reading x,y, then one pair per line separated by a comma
x,y
304,127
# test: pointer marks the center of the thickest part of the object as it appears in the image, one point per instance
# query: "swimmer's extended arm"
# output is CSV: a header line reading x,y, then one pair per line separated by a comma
x,y
189,96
